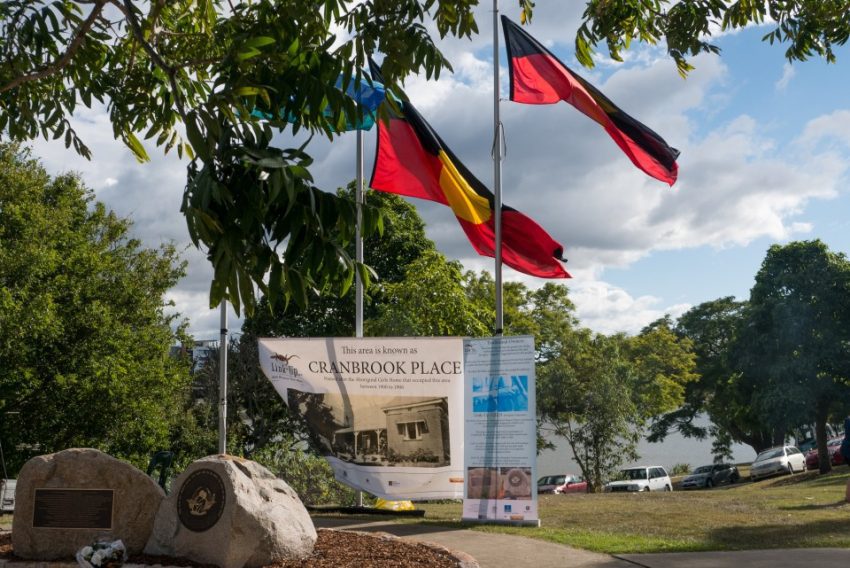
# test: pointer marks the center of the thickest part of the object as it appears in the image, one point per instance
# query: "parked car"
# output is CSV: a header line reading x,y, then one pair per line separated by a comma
x,y
548,483
551,484
781,459
572,484
836,456
644,478
708,476
833,446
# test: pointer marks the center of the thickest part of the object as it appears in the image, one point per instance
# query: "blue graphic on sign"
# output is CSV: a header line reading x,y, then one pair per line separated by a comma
x,y
500,394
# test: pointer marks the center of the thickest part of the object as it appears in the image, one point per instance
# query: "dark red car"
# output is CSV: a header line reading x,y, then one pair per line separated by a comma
x,y
837,456
572,484
834,448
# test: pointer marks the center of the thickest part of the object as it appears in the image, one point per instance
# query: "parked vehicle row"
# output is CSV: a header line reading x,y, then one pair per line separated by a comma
x,y
774,461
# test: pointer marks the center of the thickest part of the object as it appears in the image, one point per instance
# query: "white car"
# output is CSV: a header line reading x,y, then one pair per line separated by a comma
x,y
645,478
781,459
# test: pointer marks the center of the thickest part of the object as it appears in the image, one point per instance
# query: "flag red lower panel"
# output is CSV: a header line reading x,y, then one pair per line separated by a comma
x,y
526,247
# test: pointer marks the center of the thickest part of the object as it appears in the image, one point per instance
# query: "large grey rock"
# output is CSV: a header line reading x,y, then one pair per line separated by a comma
x,y
232,512
135,501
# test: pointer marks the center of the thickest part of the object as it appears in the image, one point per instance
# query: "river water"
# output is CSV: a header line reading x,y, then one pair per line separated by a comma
x,y
674,450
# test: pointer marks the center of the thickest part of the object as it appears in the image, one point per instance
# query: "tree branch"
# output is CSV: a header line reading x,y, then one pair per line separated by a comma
x,y
76,42
126,6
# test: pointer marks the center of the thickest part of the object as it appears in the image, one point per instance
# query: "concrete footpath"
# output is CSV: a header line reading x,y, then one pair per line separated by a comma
x,y
507,551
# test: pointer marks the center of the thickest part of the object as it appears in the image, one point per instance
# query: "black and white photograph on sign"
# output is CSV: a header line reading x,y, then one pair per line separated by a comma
x,y
515,483
482,482
404,431
500,394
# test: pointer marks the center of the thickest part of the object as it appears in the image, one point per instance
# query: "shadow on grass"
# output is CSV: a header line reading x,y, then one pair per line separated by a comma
x,y
804,477
814,534
816,507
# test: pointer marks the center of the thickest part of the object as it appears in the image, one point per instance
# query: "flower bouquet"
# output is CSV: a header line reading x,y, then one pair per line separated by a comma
x,y
102,554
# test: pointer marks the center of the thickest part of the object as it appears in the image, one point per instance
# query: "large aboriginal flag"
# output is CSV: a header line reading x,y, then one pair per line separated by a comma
x,y
412,160
540,78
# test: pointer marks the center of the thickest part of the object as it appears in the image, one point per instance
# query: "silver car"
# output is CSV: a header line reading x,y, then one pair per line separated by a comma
x,y
781,459
710,475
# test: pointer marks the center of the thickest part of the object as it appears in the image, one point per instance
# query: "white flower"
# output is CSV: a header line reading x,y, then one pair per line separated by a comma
x,y
264,176
98,557
86,552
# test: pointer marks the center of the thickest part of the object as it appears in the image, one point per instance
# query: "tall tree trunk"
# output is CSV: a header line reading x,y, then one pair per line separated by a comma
x,y
820,435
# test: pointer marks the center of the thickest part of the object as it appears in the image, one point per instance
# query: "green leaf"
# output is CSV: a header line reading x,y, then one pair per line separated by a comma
x,y
259,41
136,147
248,54
196,139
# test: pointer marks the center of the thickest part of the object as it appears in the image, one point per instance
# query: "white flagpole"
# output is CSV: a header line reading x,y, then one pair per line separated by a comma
x,y
497,169
222,382
358,254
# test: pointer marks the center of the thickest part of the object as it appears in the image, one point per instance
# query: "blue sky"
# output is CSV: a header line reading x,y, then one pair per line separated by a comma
x,y
765,148
754,87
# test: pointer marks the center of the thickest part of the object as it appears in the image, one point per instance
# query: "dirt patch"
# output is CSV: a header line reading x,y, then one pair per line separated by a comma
x,y
334,549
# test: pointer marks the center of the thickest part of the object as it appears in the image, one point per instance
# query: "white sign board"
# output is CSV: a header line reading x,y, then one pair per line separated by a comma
x,y
388,411
500,430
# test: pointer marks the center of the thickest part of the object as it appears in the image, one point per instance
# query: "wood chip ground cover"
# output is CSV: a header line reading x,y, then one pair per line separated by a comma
x,y
334,549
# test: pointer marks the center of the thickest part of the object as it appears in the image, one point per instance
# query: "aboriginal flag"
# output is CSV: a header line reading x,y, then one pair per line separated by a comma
x,y
412,160
539,78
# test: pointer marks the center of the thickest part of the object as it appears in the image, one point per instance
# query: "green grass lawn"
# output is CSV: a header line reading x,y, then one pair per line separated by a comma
x,y
5,521
806,510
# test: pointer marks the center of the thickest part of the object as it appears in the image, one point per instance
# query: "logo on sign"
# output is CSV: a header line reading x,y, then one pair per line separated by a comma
x,y
200,501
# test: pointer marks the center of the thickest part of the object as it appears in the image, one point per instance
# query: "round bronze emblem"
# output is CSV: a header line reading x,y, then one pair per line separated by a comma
x,y
200,501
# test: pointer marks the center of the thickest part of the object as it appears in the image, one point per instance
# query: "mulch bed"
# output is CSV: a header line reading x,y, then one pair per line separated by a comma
x,y
334,549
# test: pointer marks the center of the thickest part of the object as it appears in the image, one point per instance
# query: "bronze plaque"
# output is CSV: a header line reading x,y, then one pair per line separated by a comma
x,y
200,501
73,508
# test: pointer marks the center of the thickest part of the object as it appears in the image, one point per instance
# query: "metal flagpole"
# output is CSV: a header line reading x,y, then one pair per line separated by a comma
x,y
222,382
358,242
497,169
358,254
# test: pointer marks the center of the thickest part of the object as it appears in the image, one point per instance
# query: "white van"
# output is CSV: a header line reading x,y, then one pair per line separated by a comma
x,y
648,478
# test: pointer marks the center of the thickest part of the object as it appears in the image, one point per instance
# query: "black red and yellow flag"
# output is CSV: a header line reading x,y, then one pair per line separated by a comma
x,y
540,78
412,160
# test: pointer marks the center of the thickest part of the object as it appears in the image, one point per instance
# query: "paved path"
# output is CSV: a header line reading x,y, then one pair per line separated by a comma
x,y
507,551
489,549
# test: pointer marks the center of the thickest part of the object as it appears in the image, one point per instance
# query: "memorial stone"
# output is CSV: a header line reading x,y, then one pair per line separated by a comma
x,y
69,499
233,513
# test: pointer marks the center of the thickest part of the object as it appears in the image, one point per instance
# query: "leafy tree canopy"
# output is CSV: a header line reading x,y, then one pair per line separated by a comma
x,y
215,80
794,344
188,74
808,27
776,362
585,396
85,338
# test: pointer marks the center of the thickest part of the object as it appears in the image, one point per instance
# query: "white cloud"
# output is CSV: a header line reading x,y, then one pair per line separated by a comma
x,y
788,73
610,309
